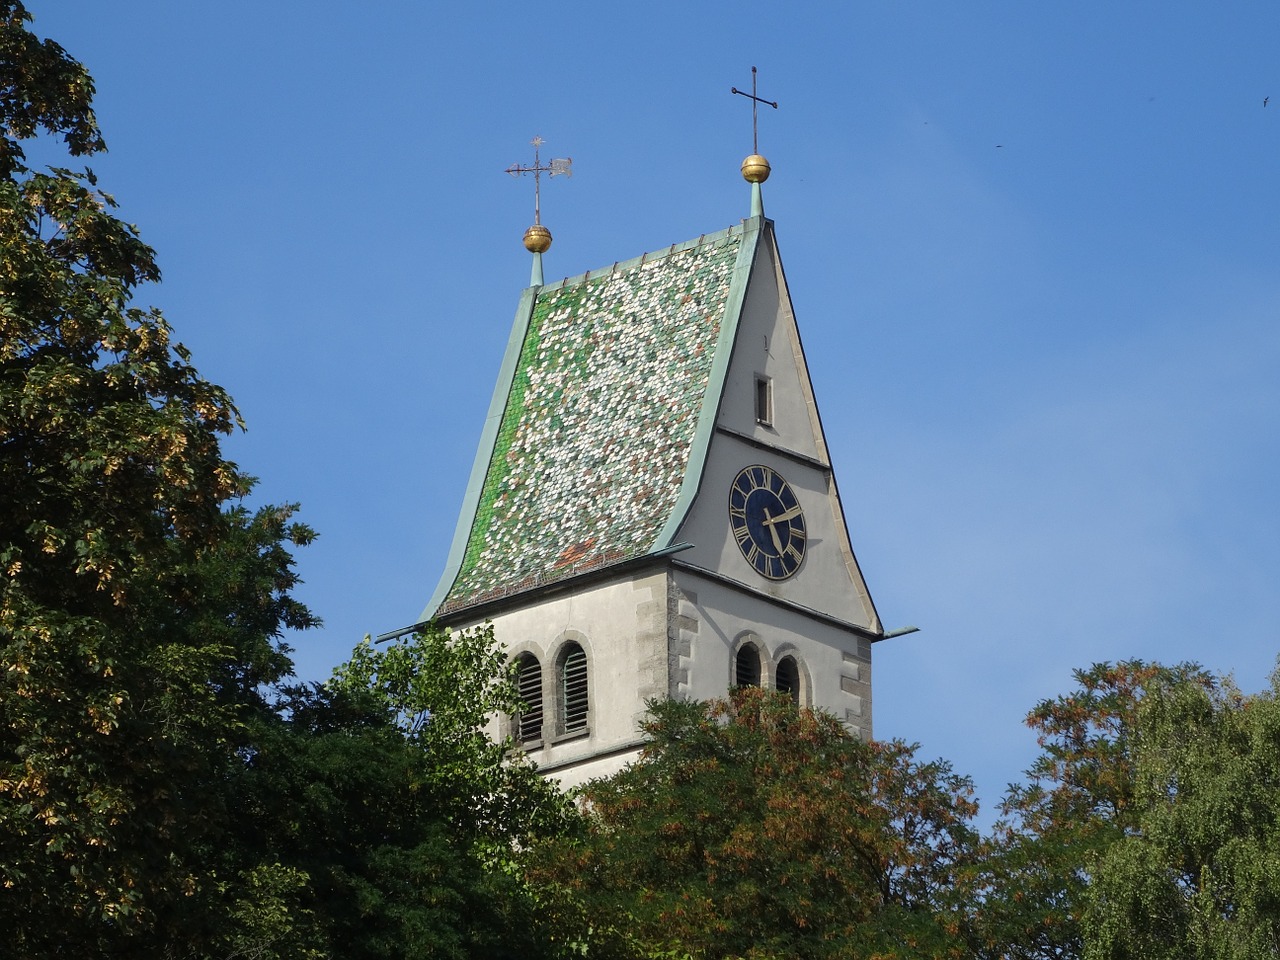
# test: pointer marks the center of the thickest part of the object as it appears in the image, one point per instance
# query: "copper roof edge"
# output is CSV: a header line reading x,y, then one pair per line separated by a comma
x,y
490,601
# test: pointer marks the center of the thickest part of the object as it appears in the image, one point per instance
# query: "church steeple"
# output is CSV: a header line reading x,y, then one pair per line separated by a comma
x,y
652,510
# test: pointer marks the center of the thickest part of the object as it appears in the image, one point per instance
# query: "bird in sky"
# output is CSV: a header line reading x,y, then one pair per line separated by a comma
x,y
1264,100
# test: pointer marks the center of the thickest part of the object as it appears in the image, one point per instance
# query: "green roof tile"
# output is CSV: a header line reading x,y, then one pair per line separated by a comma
x,y
601,411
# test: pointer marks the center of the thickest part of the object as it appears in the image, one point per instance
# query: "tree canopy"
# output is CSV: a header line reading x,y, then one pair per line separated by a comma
x,y
142,606
1197,871
395,817
165,789
750,828
1148,826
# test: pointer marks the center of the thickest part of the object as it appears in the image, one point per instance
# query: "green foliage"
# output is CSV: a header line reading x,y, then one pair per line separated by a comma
x,y
140,610
381,791
752,829
1197,874
41,89
331,791
1149,825
441,689
267,920
1077,802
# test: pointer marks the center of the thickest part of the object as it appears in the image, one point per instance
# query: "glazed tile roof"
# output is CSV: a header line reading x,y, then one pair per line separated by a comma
x,y
595,439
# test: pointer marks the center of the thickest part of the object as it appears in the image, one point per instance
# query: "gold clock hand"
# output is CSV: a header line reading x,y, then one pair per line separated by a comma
x,y
785,515
773,531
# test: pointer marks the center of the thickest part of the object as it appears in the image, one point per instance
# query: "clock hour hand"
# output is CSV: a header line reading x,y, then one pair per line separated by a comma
x,y
773,531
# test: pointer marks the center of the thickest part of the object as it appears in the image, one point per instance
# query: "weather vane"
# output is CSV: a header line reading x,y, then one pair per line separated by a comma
x,y
554,168
537,239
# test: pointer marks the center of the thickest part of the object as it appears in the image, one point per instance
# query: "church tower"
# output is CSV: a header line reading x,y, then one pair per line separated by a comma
x,y
652,511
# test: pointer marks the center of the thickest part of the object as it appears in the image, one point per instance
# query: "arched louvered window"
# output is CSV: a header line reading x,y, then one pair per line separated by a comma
x,y
746,667
574,699
528,725
788,678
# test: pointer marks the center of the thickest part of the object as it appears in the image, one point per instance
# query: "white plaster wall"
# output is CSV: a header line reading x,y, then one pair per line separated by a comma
x,y
671,633
835,663
622,626
577,773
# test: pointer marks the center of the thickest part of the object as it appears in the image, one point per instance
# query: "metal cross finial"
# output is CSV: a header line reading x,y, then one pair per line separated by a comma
x,y
755,102
553,169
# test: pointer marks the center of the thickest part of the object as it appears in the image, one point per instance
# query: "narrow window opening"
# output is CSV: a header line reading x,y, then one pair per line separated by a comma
x,y
574,695
764,400
788,679
747,667
529,686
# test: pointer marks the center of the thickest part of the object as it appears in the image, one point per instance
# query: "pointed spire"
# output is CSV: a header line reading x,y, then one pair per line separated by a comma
x,y
537,239
755,169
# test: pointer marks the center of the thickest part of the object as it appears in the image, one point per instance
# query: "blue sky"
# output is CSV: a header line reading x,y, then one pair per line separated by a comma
x,y
1032,250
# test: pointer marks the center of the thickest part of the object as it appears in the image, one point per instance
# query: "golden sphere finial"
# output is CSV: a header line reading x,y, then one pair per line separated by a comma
x,y
537,239
755,169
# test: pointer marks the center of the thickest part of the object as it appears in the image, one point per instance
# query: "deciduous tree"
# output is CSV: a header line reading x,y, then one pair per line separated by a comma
x,y
140,605
381,792
749,828
1079,800
1196,872
440,689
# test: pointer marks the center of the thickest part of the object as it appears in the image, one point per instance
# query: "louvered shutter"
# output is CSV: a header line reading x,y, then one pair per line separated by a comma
x,y
529,686
574,687
747,667
789,678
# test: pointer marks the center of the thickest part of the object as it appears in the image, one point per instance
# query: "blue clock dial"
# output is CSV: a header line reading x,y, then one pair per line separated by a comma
x,y
767,522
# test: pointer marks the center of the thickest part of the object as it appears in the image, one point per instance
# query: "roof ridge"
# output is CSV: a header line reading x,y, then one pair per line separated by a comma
x,y
648,257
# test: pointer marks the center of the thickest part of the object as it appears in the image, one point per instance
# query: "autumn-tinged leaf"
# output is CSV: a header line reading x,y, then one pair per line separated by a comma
x,y
141,608
752,829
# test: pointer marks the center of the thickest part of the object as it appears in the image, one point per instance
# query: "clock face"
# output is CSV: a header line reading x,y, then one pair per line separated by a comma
x,y
767,522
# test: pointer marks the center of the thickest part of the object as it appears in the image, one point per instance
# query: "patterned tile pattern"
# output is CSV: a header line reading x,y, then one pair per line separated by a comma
x,y
599,424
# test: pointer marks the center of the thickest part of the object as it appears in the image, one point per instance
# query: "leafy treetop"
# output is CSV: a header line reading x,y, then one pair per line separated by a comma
x,y
141,607
750,828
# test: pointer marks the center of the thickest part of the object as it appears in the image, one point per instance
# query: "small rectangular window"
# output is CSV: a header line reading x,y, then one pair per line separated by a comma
x,y
764,400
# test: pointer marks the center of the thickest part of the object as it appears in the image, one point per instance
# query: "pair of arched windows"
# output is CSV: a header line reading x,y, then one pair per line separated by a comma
x,y
571,703
748,671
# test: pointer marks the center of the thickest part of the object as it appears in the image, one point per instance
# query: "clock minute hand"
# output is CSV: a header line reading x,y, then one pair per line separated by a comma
x,y
785,515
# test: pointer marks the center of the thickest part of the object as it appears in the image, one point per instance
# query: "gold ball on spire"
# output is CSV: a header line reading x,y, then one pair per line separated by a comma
x,y
755,169
537,239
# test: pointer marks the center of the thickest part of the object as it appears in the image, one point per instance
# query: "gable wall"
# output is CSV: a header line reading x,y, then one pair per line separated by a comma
x,y
767,342
823,581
